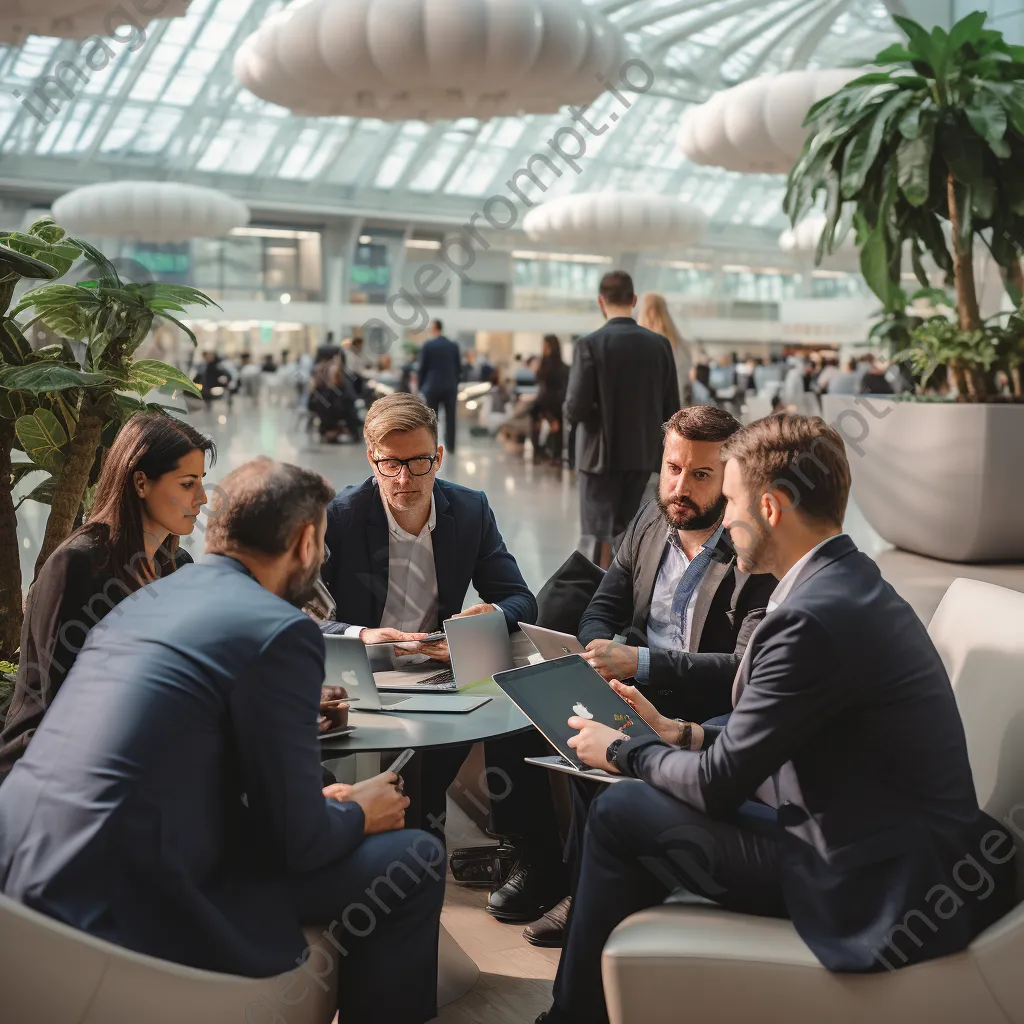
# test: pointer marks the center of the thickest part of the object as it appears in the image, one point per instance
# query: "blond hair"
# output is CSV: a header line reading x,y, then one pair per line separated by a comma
x,y
399,412
654,315
800,455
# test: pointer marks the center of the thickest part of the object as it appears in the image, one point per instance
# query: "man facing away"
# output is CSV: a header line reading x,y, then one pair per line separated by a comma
x,y
405,547
171,800
440,369
845,732
622,388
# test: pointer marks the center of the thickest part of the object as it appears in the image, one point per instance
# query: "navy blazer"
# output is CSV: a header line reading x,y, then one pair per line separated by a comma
x,y
845,721
125,818
468,549
440,367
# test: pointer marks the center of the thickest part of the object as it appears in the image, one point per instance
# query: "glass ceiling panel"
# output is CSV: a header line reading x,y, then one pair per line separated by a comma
x,y
182,112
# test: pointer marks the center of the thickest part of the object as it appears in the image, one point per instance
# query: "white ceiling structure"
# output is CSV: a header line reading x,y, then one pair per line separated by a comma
x,y
171,108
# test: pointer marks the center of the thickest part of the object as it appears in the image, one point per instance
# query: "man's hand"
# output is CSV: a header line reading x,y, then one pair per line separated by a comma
x,y
477,609
591,744
389,636
337,791
612,660
333,715
666,728
382,802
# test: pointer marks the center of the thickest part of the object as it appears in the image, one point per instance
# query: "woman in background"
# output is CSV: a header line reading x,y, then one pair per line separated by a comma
x,y
552,380
149,494
654,315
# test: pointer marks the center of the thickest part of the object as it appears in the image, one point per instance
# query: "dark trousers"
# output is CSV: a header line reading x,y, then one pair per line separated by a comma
x,y
522,804
609,501
449,400
382,905
641,845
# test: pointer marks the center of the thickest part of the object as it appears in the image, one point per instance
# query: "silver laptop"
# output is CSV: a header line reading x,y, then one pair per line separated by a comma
x,y
479,646
348,665
550,643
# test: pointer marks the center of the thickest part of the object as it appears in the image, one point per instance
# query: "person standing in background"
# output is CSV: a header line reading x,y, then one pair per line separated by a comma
x,y
622,387
439,371
654,315
552,379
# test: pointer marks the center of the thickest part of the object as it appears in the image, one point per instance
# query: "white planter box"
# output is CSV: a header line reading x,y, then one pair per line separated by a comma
x,y
942,480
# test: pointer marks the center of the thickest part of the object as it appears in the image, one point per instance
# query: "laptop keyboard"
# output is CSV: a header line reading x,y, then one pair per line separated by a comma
x,y
440,681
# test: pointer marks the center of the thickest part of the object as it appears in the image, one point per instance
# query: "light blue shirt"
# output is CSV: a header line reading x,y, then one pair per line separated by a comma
x,y
665,631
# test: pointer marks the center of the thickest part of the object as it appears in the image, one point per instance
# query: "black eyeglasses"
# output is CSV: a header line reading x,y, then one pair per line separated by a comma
x,y
419,466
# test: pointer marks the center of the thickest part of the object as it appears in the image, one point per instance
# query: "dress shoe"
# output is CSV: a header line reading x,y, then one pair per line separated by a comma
x,y
549,931
526,896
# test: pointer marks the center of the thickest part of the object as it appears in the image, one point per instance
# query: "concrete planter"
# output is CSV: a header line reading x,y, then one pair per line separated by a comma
x,y
941,480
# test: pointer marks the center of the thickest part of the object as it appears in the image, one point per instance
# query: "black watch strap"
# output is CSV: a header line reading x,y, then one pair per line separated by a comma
x,y
612,753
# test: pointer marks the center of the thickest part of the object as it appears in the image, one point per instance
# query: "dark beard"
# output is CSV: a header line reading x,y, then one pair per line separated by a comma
x,y
301,589
701,519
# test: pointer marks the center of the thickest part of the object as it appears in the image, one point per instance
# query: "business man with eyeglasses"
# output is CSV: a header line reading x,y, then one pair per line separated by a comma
x,y
405,549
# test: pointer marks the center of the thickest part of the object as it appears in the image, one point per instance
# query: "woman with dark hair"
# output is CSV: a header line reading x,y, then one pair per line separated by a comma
x,y
552,380
149,494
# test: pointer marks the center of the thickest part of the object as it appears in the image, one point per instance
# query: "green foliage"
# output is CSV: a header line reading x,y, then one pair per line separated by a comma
x,y
44,391
936,135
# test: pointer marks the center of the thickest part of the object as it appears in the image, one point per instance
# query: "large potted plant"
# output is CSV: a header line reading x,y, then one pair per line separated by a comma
x,y
62,405
924,160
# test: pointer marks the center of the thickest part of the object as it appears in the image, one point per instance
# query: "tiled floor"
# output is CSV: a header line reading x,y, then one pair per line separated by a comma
x,y
536,509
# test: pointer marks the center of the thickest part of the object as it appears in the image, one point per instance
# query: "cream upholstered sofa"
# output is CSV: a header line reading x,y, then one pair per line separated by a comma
x,y
678,963
53,974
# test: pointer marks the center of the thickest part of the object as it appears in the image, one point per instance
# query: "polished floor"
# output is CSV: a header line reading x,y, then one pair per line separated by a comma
x,y
537,512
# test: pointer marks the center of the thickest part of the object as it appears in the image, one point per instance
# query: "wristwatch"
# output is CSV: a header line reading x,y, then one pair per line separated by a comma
x,y
613,749
685,735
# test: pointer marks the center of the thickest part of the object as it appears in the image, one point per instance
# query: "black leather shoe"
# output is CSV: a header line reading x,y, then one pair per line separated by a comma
x,y
527,895
552,1016
549,931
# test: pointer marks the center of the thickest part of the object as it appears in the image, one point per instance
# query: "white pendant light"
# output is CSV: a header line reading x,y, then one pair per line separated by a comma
x,y
149,211
79,19
616,222
431,59
807,233
758,126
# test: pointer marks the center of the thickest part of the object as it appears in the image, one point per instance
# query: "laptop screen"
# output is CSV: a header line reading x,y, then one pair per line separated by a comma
x,y
551,693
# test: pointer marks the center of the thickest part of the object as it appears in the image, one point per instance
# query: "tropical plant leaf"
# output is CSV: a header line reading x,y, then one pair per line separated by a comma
x,y
147,374
42,438
987,116
866,146
20,470
914,162
14,346
13,404
47,230
107,270
59,255
875,258
967,30
44,378
24,265
42,492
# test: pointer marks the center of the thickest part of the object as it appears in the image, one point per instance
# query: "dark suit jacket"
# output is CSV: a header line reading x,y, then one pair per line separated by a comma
x,y
846,722
468,549
125,817
74,591
622,388
440,366
692,686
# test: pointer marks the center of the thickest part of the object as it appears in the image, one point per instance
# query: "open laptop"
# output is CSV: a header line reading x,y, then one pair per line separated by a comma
x,y
347,665
549,694
479,646
550,643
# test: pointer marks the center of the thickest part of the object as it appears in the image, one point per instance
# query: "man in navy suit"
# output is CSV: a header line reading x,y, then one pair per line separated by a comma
x,y
439,373
404,549
839,794
171,800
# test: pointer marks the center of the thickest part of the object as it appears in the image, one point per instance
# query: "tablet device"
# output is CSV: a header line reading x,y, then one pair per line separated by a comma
x,y
551,693
550,643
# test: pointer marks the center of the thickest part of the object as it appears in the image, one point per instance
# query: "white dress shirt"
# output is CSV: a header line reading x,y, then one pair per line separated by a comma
x,y
789,581
412,602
